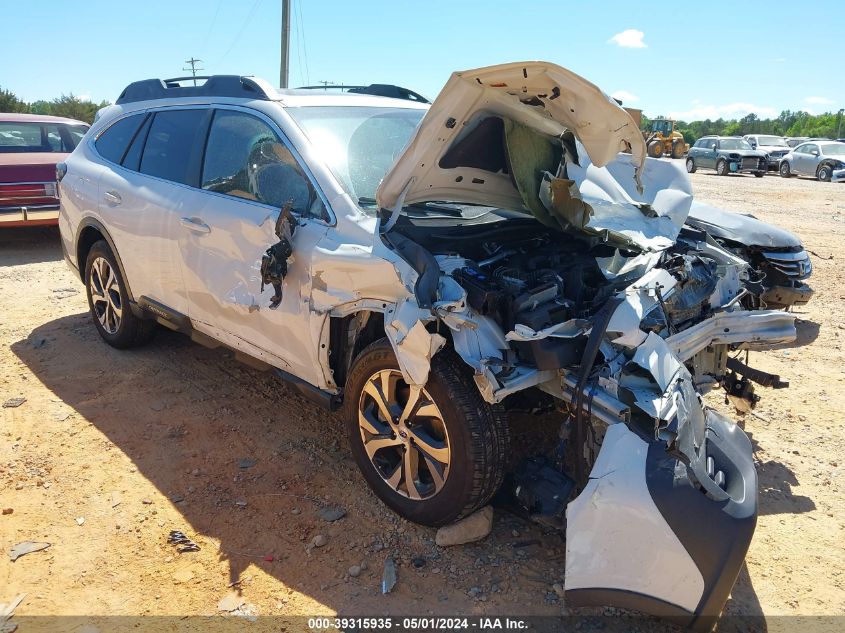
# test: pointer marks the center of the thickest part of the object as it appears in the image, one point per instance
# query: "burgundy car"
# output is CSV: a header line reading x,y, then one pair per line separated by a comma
x,y
30,147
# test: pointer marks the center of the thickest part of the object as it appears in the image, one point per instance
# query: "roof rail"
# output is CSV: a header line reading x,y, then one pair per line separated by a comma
x,y
380,90
212,86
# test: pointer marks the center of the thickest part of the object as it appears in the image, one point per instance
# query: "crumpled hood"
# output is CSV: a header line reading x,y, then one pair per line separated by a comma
x,y
538,96
739,228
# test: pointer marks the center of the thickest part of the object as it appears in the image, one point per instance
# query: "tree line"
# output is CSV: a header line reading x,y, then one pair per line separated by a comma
x,y
789,123
68,106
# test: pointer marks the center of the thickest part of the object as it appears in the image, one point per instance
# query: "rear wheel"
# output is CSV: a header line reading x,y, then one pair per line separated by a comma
x,y
824,173
722,167
108,301
432,454
678,150
691,166
655,149
759,174
784,170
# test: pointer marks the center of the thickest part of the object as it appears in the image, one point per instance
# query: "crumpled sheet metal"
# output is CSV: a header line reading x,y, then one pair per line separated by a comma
x,y
616,204
413,344
619,266
640,298
564,329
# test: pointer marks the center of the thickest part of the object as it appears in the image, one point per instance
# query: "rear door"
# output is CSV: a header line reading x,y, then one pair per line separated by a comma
x,y
249,173
143,199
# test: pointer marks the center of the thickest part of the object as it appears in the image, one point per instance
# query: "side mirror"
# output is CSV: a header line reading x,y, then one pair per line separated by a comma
x,y
814,152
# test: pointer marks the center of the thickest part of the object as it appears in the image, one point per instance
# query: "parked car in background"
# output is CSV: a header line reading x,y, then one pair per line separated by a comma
x,y
727,155
445,258
775,147
795,141
779,262
817,159
30,147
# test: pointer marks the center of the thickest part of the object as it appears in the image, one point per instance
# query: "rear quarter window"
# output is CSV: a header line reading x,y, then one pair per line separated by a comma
x,y
112,143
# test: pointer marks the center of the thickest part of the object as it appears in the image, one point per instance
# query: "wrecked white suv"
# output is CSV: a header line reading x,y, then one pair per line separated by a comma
x,y
427,264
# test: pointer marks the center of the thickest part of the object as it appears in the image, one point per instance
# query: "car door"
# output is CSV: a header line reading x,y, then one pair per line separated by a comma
x,y
800,158
708,154
140,196
249,173
812,159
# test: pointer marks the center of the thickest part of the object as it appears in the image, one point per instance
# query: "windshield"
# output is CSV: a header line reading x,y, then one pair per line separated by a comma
x,y
771,140
833,149
358,144
25,137
734,143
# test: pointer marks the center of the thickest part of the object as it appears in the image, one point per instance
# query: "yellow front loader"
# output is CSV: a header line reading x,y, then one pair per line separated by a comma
x,y
664,139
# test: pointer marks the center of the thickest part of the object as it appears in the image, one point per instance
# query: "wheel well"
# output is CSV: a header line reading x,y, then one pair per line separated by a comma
x,y
348,336
89,236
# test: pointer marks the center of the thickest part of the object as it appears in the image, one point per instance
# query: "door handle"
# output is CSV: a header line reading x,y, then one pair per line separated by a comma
x,y
113,198
195,224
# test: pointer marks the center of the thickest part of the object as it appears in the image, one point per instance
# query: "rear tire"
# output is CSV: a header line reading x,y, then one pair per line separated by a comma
x,y
722,167
108,301
759,174
824,173
678,150
470,434
691,166
784,170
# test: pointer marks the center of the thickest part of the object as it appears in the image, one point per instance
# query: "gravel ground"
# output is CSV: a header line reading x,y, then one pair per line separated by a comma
x,y
111,450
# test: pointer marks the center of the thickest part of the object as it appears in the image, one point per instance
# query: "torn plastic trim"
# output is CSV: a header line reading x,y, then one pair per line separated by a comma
x,y
750,329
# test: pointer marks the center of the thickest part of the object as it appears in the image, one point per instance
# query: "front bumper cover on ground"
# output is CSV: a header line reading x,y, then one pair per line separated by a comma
x,y
648,532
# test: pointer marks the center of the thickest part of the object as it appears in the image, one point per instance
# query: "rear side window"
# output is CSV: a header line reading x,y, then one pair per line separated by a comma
x,y
173,143
113,142
245,158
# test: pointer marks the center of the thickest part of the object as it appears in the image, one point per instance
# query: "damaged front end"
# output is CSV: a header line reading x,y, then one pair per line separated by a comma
x,y
558,266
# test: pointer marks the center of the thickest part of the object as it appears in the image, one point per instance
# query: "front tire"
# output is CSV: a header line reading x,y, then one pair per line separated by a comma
x,y
759,174
655,149
785,172
722,167
434,454
108,301
824,173
691,166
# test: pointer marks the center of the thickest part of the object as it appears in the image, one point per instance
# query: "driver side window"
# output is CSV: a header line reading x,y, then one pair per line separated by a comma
x,y
245,158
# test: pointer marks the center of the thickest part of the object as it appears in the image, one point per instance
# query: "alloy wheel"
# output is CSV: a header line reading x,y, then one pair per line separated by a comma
x,y
404,435
105,295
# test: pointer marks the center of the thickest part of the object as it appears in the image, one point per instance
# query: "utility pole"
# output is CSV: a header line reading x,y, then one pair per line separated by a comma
x,y
839,127
283,71
193,62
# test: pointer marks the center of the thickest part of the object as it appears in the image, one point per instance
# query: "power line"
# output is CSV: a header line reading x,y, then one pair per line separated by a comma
x,y
246,22
304,45
193,62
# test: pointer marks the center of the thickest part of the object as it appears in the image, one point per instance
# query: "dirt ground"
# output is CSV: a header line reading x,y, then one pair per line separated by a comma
x,y
111,450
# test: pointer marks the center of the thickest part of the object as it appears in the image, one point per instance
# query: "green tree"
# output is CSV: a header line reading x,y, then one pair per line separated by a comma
x,y
9,102
74,108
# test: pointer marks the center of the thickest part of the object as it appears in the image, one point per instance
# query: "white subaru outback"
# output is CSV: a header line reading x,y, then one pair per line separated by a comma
x,y
512,241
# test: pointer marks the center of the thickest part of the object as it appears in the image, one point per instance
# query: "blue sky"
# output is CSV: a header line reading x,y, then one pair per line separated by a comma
x,y
691,60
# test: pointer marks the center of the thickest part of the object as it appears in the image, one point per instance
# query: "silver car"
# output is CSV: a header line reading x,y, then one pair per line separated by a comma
x,y
818,159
